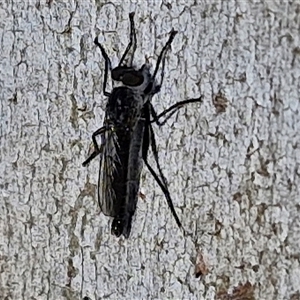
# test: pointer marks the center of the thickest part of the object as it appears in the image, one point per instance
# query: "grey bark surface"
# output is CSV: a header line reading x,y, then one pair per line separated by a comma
x,y
232,162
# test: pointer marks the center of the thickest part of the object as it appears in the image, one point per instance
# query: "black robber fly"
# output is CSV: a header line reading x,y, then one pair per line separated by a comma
x,y
127,135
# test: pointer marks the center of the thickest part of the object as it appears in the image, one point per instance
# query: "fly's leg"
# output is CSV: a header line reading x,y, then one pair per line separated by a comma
x,y
162,57
132,42
155,153
97,149
149,137
172,109
169,112
107,66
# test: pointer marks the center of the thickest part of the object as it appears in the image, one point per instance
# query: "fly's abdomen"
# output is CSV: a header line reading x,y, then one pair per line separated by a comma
x,y
135,165
127,177
120,170
122,111
119,224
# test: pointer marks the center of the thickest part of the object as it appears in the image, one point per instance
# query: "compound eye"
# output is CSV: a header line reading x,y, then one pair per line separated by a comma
x,y
117,227
133,78
118,72
128,76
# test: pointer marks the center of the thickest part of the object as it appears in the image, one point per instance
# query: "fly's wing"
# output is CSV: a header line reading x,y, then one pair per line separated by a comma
x,y
109,158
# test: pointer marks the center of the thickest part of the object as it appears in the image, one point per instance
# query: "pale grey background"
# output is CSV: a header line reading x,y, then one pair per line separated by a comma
x,y
234,176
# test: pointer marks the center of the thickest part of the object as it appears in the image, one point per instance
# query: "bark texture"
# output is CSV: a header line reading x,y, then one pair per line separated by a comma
x,y
232,162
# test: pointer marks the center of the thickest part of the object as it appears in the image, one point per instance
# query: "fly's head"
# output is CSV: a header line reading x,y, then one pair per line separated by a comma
x,y
128,76
133,78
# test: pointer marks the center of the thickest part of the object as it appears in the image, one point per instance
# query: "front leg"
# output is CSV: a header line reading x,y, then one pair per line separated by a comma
x,y
107,66
132,42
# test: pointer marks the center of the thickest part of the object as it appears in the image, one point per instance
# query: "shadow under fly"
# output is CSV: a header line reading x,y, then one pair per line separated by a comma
x,y
127,135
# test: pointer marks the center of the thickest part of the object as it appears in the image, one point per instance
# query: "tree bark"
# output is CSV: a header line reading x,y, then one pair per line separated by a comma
x,y
231,162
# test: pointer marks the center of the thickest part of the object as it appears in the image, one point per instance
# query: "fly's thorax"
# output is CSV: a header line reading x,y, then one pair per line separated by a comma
x,y
124,107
